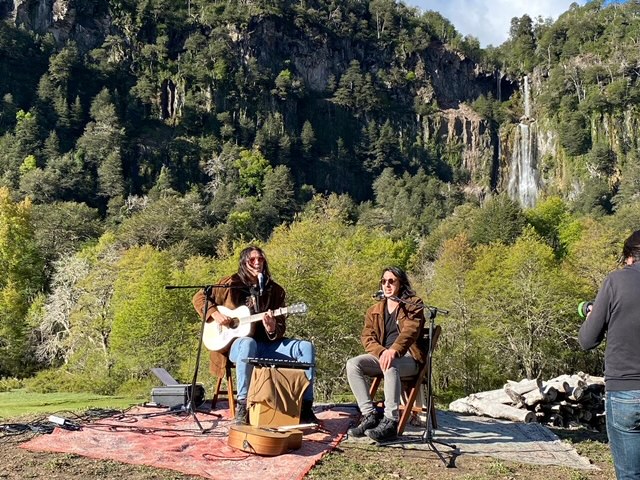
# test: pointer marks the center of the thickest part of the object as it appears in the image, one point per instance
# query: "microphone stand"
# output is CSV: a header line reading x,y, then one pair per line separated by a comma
x,y
427,434
190,406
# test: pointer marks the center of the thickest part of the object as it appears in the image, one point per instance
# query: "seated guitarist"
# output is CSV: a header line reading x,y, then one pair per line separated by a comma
x,y
253,286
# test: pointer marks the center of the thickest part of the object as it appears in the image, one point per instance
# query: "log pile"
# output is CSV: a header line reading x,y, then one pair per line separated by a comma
x,y
568,401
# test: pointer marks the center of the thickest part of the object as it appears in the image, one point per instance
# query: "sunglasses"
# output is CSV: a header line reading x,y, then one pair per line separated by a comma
x,y
389,281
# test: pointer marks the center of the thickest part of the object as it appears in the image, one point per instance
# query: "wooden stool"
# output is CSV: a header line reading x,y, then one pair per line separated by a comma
x,y
228,393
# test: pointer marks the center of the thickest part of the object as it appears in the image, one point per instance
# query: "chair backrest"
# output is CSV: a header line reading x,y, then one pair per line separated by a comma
x,y
437,330
424,340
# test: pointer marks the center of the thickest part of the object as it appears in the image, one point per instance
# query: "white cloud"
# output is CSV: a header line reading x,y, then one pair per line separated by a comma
x,y
489,20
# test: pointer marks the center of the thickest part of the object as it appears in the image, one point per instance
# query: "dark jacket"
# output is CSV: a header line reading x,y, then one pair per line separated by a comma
x,y
410,321
616,313
234,294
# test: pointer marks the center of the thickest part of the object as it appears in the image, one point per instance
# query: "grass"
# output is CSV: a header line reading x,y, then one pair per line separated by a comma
x,y
346,462
17,403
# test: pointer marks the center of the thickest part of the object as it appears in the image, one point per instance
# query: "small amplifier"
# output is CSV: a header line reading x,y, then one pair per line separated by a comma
x,y
179,394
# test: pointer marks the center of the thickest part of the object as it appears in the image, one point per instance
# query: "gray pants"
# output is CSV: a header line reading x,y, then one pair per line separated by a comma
x,y
362,367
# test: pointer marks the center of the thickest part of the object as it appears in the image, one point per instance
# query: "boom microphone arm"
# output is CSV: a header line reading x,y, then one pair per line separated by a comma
x,y
433,310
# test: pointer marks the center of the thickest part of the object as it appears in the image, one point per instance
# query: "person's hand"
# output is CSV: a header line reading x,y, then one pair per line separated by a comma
x,y
386,357
221,319
269,322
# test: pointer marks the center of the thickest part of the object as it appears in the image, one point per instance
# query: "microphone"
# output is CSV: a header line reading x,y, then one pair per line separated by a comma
x,y
261,282
379,295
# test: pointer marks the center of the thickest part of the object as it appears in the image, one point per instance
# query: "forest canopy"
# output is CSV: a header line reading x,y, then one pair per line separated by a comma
x,y
342,137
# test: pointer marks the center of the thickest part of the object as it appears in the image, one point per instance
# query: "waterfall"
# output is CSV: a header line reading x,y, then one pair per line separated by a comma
x,y
523,175
499,85
527,103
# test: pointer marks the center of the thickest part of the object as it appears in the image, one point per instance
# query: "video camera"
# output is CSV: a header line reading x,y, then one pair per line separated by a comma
x,y
584,308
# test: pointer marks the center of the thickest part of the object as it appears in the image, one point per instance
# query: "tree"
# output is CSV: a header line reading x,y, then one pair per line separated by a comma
x,y
61,228
547,217
386,150
307,138
499,220
593,249
151,326
523,43
602,158
252,168
110,176
20,279
528,301
574,134
169,221
456,223
466,342
629,188
101,143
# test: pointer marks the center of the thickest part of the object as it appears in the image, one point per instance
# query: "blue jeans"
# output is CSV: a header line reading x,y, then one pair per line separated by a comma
x,y
284,348
623,429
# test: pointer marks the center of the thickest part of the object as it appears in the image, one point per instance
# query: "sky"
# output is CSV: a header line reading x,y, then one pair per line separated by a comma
x,y
489,20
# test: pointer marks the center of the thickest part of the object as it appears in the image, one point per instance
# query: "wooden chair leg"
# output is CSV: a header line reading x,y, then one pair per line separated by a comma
x,y
407,410
216,392
232,401
374,386
229,392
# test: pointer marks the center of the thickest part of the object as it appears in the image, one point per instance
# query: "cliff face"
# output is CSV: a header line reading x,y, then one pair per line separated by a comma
x,y
443,78
455,78
469,135
84,23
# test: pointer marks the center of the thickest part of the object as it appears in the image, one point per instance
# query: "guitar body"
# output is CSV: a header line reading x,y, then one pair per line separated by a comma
x,y
263,442
216,337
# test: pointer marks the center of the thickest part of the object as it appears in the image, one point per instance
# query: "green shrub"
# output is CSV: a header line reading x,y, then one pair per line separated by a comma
x,y
9,383
60,380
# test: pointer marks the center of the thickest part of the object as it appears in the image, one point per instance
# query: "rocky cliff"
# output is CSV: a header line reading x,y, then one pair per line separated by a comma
x,y
86,23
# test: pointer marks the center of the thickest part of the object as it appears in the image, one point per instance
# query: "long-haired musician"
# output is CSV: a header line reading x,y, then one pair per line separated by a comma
x,y
391,330
254,287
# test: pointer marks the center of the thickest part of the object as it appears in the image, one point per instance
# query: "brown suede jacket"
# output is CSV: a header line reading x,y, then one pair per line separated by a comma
x,y
410,320
272,297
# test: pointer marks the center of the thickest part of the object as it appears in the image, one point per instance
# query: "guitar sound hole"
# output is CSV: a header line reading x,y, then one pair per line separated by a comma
x,y
234,323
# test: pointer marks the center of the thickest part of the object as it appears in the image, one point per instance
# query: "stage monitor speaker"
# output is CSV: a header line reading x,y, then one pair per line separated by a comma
x,y
174,395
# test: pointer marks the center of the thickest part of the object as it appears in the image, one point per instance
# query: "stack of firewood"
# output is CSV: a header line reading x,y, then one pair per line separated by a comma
x,y
567,401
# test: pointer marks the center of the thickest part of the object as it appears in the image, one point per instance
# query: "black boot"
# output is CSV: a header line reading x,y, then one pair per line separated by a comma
x,y
241,413
387,429
307,414
366,422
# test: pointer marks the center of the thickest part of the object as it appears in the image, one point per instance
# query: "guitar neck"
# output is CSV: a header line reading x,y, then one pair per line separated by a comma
x,y
257,317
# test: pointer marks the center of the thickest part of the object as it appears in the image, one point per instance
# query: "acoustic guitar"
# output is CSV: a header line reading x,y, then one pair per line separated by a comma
x,y
262,441
216,337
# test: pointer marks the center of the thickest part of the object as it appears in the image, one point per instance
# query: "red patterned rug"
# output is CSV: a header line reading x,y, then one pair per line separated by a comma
x,y
174,441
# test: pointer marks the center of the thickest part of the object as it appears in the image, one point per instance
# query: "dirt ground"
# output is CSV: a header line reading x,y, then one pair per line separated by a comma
x,y
346,462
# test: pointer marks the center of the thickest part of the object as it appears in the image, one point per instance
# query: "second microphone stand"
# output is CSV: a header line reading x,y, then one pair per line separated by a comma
x,y
427,435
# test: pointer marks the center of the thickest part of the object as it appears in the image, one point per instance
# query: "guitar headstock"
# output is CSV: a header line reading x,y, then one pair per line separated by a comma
x,y
297,308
